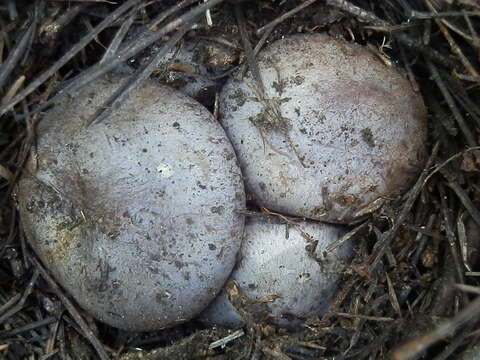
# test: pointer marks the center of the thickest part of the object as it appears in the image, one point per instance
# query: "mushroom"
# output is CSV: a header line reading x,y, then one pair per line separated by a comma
x,y
193,66
282,273
332,133
138,217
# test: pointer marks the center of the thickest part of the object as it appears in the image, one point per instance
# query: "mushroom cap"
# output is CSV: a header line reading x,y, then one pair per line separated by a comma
x,y
138,217
191,66
336,132
277,269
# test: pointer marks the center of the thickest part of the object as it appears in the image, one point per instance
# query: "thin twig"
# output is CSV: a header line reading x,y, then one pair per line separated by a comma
x,y
29,327
453,45
382,245
72,310
411,349
468,288
439,167
119,36
421,239
21,302
364,317
225,340
451,104
13,300
356,11
133,48
39,80
52,29
422,15
15,55
345,237
466,201
366,16
285,16
121,95
253,65
171,10
445,118
449,230
462,240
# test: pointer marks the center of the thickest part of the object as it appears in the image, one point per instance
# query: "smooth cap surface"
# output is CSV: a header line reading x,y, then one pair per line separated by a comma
x,y
334,133
137,217
278,267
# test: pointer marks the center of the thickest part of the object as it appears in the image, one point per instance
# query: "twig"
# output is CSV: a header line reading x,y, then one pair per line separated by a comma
x,y
449,160
427,51
39,80
345,237
194,347
468,288
29,327
15,55
465,200
451,104
122,94
256,50
445,118
356,11
393,296
453,45
368,17
10,303
21,302
285,16
248,50
17,84
421,239
208,16
225,340
72,310
364,317
119,36
455,343
408,68
382,245
12,10
462,240
372,305
275,354
456,30
411,349
462,96
423,15
448,224
171,10
475,39
49,347
11,232
472,273
133,48
51,30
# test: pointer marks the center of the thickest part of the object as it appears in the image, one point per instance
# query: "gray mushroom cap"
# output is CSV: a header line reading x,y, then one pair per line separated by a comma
x,y
335,132
276,265
138,217
191,66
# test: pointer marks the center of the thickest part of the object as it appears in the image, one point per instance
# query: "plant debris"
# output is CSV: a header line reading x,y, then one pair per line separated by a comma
x,y
413,287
